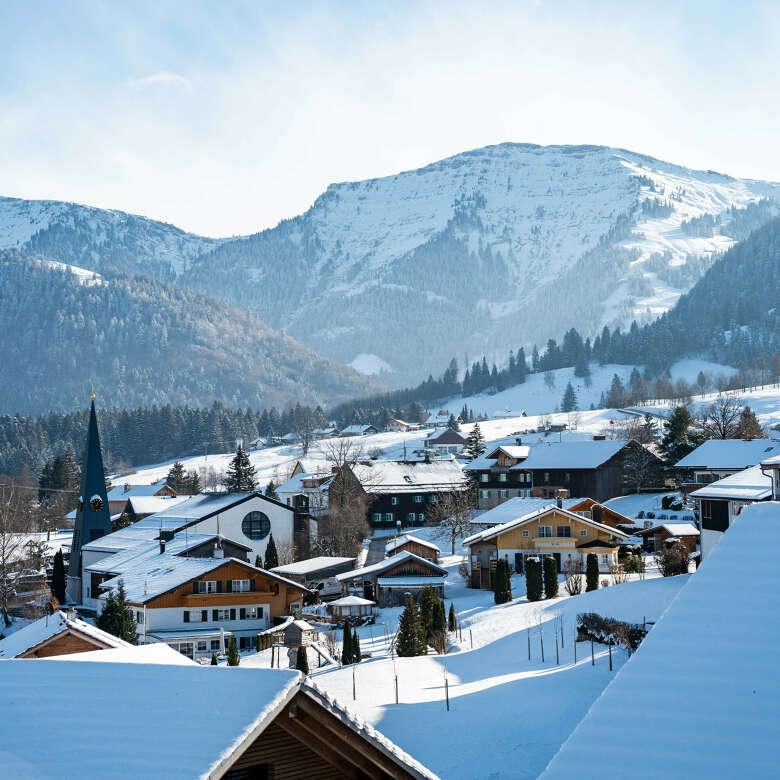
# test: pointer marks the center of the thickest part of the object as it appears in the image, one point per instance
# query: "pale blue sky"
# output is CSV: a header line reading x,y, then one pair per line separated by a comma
x,y
225,117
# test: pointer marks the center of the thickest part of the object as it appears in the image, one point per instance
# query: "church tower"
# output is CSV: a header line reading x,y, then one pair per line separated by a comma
x,y
93,519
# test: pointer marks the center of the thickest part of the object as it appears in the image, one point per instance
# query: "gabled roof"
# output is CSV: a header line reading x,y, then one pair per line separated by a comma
x,y
350,429
513,508
389,563
535,517
47,628
674,529
351,601
517,451
295,483
571,454
446,436
154,653
311,565
149,505
748,485
390,476
729,454
406,538
154,576
706,697
118,492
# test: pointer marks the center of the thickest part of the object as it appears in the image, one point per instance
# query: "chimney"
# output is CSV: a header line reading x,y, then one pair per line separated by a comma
x,y
127,487
162,545
71,613
559,501
218,551
519,441
599,437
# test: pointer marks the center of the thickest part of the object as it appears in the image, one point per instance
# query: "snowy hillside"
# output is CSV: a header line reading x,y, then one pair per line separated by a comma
x,y
93,238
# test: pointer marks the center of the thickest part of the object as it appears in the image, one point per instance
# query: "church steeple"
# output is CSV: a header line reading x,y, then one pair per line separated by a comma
x,y
93,518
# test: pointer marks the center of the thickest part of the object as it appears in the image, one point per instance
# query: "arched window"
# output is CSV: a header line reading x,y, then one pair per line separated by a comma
x,y
256,525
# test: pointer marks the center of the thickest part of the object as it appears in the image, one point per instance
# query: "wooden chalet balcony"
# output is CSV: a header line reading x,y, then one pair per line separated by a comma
x,y
226,599
560,542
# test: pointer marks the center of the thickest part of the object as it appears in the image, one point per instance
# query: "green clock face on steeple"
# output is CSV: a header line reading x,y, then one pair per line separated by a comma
x,y
96,503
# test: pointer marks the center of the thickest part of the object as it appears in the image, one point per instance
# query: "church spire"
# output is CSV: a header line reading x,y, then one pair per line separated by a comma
x,y
93,518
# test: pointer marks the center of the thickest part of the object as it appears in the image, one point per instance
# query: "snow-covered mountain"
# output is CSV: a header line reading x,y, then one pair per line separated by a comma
x,y
490,249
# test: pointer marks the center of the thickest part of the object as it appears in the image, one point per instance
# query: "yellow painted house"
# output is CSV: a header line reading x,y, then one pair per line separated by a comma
x,y
564,535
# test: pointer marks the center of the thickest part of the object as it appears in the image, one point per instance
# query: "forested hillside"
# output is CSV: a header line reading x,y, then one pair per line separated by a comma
x,y
145,342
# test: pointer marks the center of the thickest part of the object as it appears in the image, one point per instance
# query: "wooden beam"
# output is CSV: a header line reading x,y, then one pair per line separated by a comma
x,y
347,752
351,737
293,727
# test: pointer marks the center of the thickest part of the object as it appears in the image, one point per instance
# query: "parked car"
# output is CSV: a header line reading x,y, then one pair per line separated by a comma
x,y
328,588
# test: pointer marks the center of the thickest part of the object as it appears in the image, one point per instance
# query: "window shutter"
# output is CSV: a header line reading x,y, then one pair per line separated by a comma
x,y
229,584
214,615
252,586
204,615
195,586
186,616
219,586
242,614
233,613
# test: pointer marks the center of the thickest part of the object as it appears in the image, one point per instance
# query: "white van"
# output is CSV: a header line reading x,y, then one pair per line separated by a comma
x,y
328,588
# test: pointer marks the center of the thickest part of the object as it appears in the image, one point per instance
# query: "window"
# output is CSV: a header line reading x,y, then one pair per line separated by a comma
x,y
252,613
215,644
420,517
545,531
208,586
502,477
202,646
419,499
394,500
240,586
563,531
139,616
196,615
483,477
706,510
377,517
583,532
389,517
525,533
256,525
487,494
503,493
410,517
434,498
220,614
481,493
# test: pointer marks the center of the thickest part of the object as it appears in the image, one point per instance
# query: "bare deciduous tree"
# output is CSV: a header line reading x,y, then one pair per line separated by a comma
x,y
452,514
619,573
15,521
639,466
573,569
721,418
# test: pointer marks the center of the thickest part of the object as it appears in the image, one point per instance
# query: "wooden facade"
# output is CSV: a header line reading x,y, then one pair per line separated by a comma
x,y
65,643
422,550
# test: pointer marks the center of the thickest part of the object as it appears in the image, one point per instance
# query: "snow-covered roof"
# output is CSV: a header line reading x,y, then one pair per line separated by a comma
x,y
571,454
119,493
748,485
410,581
675,529
518,451
356,429
51,541
144,530
519,507
351,601
200,506
154,653
437,434
729,454
388,563
311,565
406,538
149,505
295,483
539,514
48,627
390,476
706,693
145,550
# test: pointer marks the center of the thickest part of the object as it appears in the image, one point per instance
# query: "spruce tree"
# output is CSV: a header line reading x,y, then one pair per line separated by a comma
x,y
271,556
240,476
550,577
411,640
117,617
428,599
176,478
475,442
192,486
270,491
301,660
258,561
346,644
748,426
533,579
569,402
214,659
356,655
452,622
58,578
234,659
453,423
592,572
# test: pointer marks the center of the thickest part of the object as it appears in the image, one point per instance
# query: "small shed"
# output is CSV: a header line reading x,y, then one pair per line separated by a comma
x,y
413,544
295,634
655,538
352,607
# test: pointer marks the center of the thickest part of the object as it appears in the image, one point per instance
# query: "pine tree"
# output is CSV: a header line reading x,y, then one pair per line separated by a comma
x,y
452,622
58,578
271,556
117,617
258,561
346,644
569,402
592,572
475,442
302,660
533,579
240,476
748,426
411,640
270,491
453,423
428,599
550,577
176,479
192,484
502,586
234,659
214,659
356,655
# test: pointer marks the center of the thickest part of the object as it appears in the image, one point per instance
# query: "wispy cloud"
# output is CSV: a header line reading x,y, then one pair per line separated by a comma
x,y
164,79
